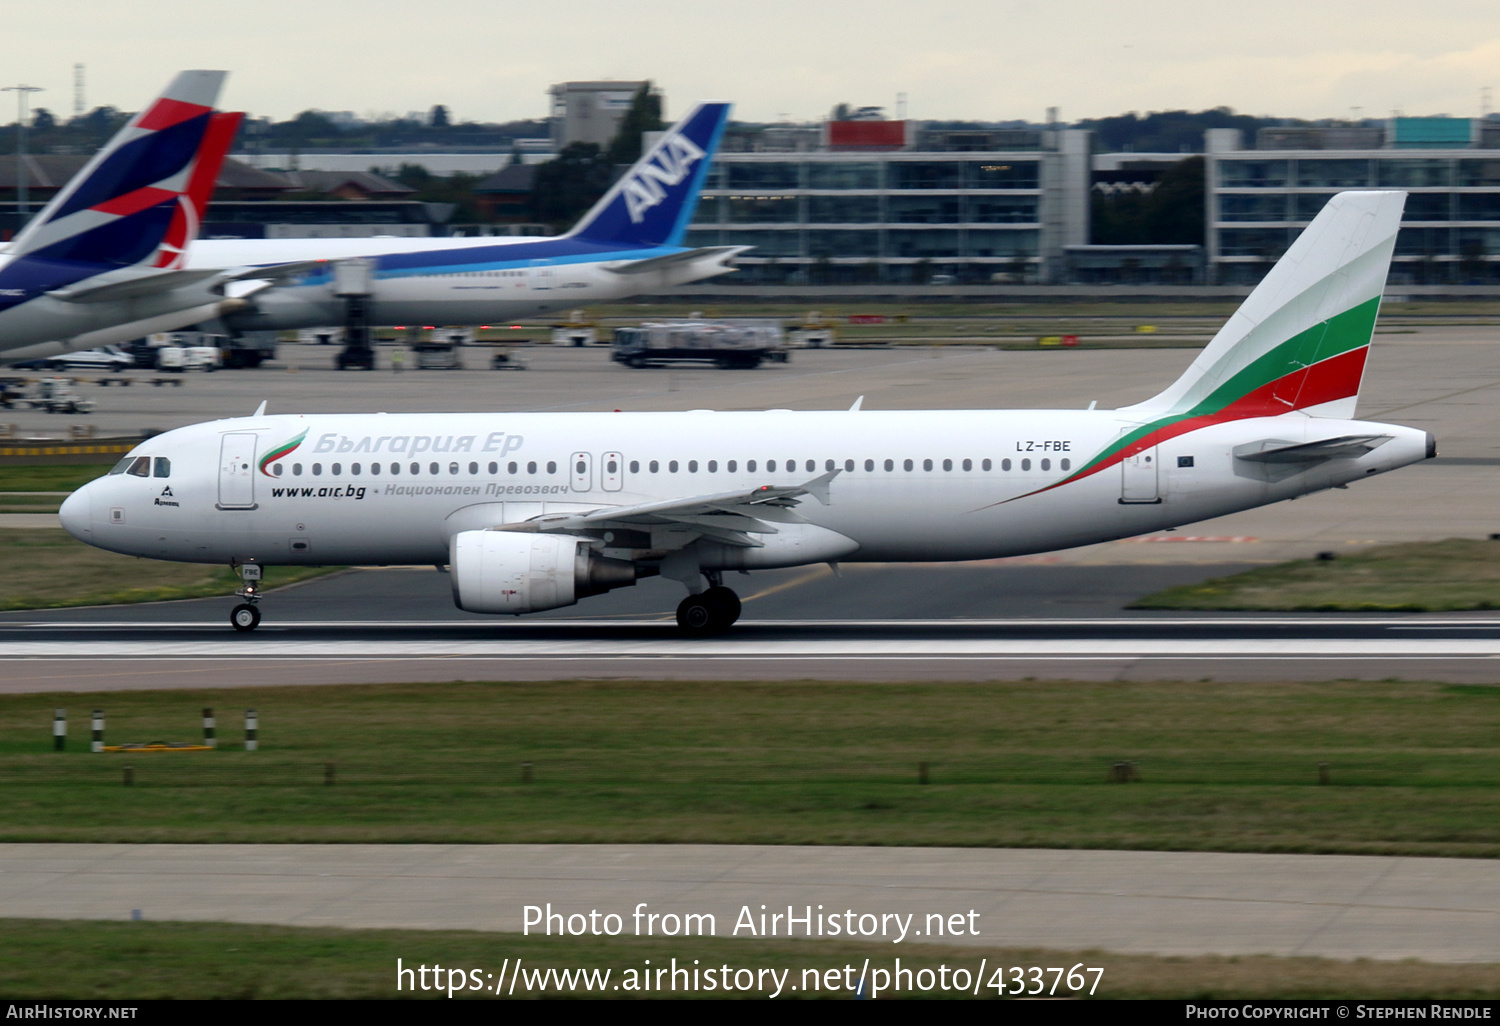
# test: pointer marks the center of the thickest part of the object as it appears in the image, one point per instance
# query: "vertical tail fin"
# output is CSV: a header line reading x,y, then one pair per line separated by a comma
x,y
1299,341
138,201
653,203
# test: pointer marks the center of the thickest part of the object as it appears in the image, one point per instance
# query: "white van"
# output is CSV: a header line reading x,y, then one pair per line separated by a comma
x,y
180,359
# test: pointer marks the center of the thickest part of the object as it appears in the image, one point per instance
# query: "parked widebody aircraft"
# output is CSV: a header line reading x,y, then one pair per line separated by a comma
x,y
535,511
631,242
104,260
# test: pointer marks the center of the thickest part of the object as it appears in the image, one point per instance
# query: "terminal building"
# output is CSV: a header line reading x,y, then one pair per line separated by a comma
x,y
874,201
1259,198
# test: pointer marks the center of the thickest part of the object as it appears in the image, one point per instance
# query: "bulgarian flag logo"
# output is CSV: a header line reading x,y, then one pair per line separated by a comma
x,y
284,449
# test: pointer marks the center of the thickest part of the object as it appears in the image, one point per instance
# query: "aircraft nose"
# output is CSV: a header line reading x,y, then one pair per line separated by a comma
x,y
76,514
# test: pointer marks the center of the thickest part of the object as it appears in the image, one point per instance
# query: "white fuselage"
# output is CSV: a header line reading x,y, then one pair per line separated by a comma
x,y
466,281
946,485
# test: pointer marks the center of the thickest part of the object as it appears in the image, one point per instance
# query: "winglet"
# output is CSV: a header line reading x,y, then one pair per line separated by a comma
x,y
818,486
857,403
260,411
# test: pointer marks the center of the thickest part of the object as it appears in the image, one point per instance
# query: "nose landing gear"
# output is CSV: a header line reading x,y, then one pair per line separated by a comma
x,y
245,617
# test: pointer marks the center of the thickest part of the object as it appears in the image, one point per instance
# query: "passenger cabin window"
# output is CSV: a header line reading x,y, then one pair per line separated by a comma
x,y
141,467
163,467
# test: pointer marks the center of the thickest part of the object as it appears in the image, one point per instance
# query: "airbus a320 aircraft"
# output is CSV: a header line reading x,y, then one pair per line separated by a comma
x,y
103,261
629,243
535,511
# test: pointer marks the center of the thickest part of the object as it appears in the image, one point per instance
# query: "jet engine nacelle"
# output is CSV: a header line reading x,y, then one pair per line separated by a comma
x,y
520,572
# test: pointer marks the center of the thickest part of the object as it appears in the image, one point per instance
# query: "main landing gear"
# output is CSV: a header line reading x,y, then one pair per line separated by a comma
x,y
710,612
245,616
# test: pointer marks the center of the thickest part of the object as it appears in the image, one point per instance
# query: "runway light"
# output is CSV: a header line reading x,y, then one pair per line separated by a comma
x,y
515,327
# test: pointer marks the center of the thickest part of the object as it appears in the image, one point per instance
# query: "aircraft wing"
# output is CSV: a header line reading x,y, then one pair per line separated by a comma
x,y
686,256
275,272
729,517
1278,451
131,287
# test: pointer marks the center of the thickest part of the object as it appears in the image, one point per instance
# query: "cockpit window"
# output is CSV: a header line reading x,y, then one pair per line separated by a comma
x,y
163,467
119,468
141,467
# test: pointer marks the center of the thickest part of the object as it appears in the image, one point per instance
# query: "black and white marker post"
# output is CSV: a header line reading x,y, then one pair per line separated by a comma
x,y
250,726
208,729
98,745
59,729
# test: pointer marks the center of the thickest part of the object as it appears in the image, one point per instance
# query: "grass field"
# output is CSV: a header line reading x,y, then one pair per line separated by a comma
x,y
1455,574
49,569
59,477
81,960
1226,767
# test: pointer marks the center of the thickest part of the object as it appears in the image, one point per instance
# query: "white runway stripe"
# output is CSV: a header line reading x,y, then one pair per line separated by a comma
x,y
726,648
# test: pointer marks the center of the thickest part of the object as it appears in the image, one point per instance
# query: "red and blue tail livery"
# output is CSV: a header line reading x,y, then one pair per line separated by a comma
x,y
110,247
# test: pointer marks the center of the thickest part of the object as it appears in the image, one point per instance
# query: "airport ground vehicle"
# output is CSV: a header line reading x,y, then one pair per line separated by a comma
x,y
105,358
55,395
740,343
533,511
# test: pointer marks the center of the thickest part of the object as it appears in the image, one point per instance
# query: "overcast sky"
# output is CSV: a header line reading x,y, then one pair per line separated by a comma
x,y
492,60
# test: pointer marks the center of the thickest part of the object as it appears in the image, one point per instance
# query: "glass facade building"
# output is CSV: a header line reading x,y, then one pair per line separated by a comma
x,y
1259,200
909,216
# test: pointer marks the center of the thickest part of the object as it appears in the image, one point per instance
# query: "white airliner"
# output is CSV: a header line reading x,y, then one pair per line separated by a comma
x,y
533,511
631,242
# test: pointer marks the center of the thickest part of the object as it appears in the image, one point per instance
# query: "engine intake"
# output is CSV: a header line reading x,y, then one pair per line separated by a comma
x,y
518,572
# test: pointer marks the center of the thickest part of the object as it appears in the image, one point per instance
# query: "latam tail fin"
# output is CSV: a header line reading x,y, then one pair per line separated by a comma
x,y
1299,341
140,200
653,203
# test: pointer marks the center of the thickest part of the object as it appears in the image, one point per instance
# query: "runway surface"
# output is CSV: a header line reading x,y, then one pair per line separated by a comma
x,y
971,622
1169,903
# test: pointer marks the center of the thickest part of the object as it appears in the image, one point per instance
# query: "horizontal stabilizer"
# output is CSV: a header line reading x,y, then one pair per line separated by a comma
x,y
1275,450
686,256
